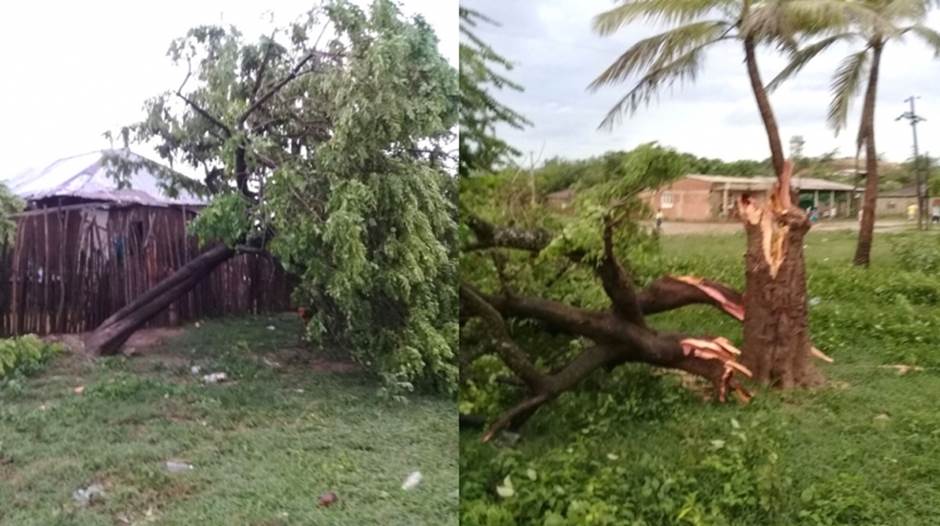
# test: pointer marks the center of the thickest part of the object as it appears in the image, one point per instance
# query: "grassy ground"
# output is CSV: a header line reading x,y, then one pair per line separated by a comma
x,y
264,445
637,447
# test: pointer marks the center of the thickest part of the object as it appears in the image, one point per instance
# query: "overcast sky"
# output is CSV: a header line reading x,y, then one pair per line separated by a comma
x,y
557,56
72,70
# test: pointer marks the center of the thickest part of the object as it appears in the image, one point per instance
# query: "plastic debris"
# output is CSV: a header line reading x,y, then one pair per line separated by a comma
x,y
506,490
177,466
215,378
89,495
327,499
79,390
814,301
412,481
195,370
270,327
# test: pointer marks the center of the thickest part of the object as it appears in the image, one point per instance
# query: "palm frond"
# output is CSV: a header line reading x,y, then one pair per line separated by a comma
x,y
656,11
900,10
800,58
659,51
682,69
845,86
927,35
786,20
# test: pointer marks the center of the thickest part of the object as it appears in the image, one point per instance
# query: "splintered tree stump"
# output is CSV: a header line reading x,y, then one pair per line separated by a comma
x,y
777,346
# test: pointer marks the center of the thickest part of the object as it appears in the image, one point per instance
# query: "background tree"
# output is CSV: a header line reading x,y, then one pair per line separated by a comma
x,y
892,20
323,142
480,112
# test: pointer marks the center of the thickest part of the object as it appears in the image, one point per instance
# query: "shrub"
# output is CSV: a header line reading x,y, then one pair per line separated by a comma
x,y
25,355
916,253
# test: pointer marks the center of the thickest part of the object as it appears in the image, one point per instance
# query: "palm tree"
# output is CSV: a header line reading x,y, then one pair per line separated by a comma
x,y
894,19
776,346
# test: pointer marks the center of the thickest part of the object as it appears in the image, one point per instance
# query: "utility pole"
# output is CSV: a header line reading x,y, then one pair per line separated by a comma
x,y
914,118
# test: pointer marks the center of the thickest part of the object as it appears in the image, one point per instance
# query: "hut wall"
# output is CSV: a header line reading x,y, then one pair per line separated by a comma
x,y
72,266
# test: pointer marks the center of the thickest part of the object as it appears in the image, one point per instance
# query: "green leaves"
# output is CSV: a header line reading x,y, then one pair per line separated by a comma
x,y
366,221
480,112
9,204
664,59
845,86
656,11
24,355
225,220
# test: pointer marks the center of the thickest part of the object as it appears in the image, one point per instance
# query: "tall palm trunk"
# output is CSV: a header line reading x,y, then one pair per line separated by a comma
x,y
777,344
867,133
763,106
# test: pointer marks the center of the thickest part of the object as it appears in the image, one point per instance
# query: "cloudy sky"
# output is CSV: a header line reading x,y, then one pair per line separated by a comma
x,y
72,70
557,56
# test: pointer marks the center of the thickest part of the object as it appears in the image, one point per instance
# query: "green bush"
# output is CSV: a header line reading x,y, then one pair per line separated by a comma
x,y
916,252
25,355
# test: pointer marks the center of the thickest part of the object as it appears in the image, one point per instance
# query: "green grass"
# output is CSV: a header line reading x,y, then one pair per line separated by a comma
x,y
264,446
636,447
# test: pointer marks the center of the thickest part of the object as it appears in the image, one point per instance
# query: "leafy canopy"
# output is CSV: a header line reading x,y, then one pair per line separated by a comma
x,y
324,142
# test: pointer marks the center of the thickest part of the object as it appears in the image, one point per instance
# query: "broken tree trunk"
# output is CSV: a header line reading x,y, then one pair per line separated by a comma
x,y
114,331
777,345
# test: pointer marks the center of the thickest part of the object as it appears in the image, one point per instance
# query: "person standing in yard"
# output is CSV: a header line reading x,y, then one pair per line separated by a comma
x,y
911,212
659,220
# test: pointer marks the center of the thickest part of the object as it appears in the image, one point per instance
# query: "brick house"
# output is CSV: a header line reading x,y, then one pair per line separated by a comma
x,y
714,197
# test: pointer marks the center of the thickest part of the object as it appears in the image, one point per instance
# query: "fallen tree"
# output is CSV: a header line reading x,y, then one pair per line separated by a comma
x,y
620,333
220,128
315,148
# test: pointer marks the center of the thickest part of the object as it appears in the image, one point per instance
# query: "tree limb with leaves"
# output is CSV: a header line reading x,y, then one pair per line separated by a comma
x,y
480,112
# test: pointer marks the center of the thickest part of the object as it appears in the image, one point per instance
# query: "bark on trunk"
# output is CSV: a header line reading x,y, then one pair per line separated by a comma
x,y
777,345
867,133
763,105
113,332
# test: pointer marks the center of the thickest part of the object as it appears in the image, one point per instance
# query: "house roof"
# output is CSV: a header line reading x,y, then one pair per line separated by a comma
x,y
87,176
760,183
907,191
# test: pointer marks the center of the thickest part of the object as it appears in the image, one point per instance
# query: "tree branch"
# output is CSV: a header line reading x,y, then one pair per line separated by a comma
x,y
200,110
491,236
515,358
294,73
264,65
617,284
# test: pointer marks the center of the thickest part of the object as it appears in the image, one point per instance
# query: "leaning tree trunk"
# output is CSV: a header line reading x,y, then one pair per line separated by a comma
x,y
867,133
114,331
777,346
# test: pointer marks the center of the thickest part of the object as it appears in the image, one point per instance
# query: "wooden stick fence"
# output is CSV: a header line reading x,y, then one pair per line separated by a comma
x,y
71,266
